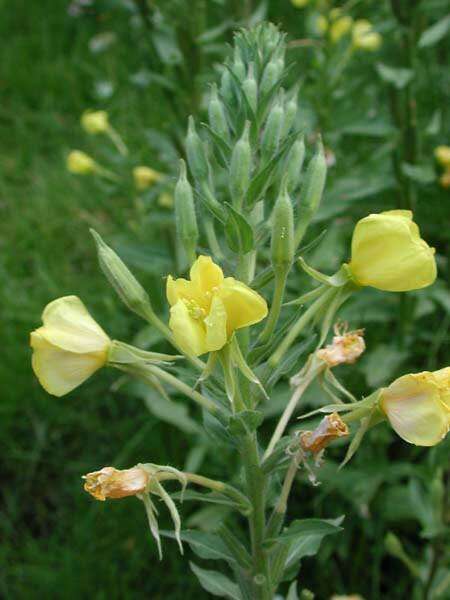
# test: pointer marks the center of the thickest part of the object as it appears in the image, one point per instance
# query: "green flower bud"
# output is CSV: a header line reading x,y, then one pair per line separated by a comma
x,y
272,130
250,88
240,167
270,76
282,242
185,218
226,86
196,155
216,112
294,164
129,290
238,64
312,191
290,112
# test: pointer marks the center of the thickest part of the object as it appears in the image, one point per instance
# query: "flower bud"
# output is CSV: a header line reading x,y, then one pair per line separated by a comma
x,y
216,112
226,85
145,177
272,130
250,88
290,112
165,200
312,191
282,241
80,163
240,167
389,254
95,121
346,348
294,165
364,37
196,155
113,483
339,28
418,406
442,155
185,218
330,428
238,64
270,76
122,280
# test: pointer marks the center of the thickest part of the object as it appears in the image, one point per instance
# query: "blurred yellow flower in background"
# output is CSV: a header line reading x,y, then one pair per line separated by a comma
x,y
299,3
209,307
442,155
95,121
389,254
321,25
418,406
364,37
339,28
69,347
145,177
80,163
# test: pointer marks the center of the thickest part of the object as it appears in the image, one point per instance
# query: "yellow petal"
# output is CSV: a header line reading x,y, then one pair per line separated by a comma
x,y
68,325
216,325
179,289
414,408
205,274
189,333
389,254
244,306
59,371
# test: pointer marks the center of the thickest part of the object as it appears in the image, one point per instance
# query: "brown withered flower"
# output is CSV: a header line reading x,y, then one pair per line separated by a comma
x,y
114,483
330,428
346,348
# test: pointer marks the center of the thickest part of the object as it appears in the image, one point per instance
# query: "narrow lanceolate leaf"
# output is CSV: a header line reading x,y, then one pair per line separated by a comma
x,y
216,583
238,232
435,33
204,544
307,527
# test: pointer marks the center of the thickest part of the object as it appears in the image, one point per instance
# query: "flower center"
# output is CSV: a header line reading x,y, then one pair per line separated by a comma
x,y
195,311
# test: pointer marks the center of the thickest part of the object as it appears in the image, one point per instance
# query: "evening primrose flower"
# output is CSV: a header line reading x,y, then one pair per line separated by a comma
x,y
95,121
418,406
145,177
113,483
389,254
209,307
69,347
442,155
364,37
80,163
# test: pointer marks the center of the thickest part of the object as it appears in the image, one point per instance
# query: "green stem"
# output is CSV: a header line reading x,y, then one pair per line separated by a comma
x,y
275,308
117,141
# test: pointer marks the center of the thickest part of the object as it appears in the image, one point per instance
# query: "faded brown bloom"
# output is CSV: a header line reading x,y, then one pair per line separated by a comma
x,y
330,428
346,348
113,483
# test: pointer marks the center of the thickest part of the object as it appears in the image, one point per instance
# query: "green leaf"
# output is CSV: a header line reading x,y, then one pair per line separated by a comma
x,y
215,583
435,33
209,498
381,364
215,430
245,422
420,173
238,231
396,76
301,528
292,593
204,544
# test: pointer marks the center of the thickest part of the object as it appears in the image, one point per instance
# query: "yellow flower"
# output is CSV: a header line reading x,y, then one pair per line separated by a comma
x,y
299,3
339,28
206,309
69,347
321,25
389,254
80,163
364,37
442,155
418,406
145,177
113,483
165,200
95,121
444,179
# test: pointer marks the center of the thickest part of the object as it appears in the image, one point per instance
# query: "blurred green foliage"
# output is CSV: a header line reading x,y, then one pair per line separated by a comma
x,y
381,115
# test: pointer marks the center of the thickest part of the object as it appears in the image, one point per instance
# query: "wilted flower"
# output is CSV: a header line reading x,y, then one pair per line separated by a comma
x,y
80,163
418,406
208,308
442,155
330,428
113,483
95,121
389,254
346,348
69,347
145,177
364,37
